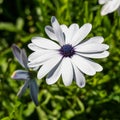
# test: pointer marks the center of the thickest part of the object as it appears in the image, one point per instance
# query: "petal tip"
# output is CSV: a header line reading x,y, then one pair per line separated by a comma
x,y
13,75
67,84
82,85
106,54
89,25
53,19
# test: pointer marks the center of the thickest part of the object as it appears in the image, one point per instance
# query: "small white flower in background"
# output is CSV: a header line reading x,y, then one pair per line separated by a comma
x,y
66,54
109,6
25,75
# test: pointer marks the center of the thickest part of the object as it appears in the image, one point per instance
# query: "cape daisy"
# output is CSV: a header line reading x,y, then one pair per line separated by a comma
x,y
25,75
66,54
109,6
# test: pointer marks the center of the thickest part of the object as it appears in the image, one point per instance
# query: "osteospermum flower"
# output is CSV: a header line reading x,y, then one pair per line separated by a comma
x,y
109,6
26,75
66,54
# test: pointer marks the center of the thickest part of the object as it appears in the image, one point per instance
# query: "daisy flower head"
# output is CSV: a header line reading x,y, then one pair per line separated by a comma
x,y
109,6
25,75
66,54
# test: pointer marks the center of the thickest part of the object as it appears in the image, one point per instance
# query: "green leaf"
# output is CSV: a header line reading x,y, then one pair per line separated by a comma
x,y
8,27
5,118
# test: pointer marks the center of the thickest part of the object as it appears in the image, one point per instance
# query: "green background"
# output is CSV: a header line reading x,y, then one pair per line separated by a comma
x,y
20,20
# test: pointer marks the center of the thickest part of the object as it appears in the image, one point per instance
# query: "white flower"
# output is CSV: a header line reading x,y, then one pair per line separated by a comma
x,y
67,55
109,6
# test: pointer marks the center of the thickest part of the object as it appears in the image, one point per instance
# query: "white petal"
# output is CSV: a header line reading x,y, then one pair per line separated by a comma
x,y
96,66
20,75
45,43
91,48
103,1
67,71
57,30
65,31
35,68
71,32
35,65
48,66
83,65
81,34
35,55
110,6
64,28
79,77
34,47
50,32
54,74
43,58
97,39
42,52
95,55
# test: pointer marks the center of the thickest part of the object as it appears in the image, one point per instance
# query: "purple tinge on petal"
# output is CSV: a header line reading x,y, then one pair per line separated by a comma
x,y
20,75
16,51
79,77
57,30
23,89
20,55
24,58
54,74
33,91
50,32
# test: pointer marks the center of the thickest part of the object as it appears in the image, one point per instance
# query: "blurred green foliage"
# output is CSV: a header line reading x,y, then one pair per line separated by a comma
x,y
20,20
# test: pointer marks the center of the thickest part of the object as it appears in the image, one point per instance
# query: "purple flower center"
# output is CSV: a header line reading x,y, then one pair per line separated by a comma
x,y
67,50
